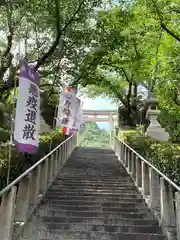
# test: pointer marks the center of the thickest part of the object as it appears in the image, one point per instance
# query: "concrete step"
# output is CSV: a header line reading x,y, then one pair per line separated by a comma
x,y
93,183
100,203
100,198
54,205
102,220
52,211
85,177
67,192
103,228
86,188
111,178
94,186
76,235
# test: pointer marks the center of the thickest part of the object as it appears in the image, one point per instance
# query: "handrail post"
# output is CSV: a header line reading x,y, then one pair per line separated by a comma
x,y
133,162
145,179
35,186
61,156
120,151
23,200
115,144
167,208
50,170
126,157
178,214
65,151
117,148
7,210
44,177
138,172
123,153
154,192
59,159
69,148
64,155
130,160
55,155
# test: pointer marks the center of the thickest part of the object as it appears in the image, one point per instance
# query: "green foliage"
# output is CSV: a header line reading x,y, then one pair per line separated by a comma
x,y
137,44
4,135
54,36
163,155
21,161
48,107
93,136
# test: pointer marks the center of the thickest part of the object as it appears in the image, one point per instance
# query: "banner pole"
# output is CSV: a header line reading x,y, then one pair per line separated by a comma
x,y
12,132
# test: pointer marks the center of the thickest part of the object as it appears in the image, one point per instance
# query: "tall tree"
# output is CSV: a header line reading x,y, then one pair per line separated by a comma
x,y
48,34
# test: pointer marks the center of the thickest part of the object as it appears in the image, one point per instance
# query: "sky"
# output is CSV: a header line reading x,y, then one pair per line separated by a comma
x,y
99,104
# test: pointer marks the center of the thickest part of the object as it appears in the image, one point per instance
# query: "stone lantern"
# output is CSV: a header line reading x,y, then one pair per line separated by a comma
x,y
154,130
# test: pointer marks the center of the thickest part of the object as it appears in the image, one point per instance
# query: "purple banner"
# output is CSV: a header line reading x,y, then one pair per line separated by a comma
x,y
27,120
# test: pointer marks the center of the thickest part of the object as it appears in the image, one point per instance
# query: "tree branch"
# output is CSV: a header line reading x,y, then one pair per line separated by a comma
x,y
129,92
175,36
59,32
125,74
164,27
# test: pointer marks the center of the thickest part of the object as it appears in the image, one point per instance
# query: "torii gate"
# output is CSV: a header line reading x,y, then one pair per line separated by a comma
x,y
109,116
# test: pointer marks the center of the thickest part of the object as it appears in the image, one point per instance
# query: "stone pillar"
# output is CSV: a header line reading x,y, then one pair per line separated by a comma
x,y
155,130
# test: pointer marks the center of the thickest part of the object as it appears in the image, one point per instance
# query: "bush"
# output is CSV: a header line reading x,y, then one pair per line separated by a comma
x,y
163,155
20,162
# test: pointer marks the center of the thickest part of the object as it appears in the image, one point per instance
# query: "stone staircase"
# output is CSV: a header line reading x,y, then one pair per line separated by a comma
x,y
93,198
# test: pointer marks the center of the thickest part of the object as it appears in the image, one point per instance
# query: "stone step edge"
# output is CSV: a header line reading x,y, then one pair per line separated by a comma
x,y
99,212
83,198
96,177
103,225
125,191
55,203
103,218
121,176
95,202
119,185
97,209
84,181
104,188
120,189
107,233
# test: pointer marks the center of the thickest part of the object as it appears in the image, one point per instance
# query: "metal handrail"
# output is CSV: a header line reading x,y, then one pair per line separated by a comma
x,y
150,165
17,180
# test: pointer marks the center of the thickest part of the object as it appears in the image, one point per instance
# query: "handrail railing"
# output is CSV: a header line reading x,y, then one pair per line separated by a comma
x,y
153,167
21,197
156,188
